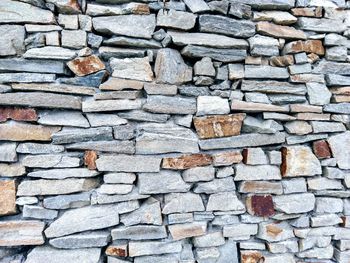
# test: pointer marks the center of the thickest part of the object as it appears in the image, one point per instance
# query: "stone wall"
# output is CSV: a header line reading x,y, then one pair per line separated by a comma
x,y
174,131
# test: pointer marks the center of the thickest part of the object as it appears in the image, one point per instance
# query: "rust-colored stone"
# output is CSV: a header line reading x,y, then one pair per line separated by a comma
x,y
227,158
307,11
273,230
309,46
251,256
7,197
216,126
186,161
117,250
85,65
18,114
282,61
141,9
321,149
260,205
90,158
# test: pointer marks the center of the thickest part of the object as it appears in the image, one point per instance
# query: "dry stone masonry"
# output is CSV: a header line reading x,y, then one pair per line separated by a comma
x,y
174,131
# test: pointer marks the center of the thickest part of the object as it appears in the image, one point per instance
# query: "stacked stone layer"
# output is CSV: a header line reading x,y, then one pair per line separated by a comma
x,y
174,131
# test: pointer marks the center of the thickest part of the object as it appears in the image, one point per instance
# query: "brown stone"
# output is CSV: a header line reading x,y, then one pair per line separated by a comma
x,y
282,61
309,46
7,197
68,6
15,131
227,158
181,231
186,161
121,84
310,116
90,158
274,30
21,233
340,98
321,149
117,250
261,187
305,108
341,91
260,205
307,11
312,58
18,114
85,65
251,256
216,126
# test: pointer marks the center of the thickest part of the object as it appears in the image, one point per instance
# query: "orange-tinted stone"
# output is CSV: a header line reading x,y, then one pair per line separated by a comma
x,y
307,12
251,256
86,65
117,250
90,158
216,126
141,9
321,149
7,197
309,46
18,114
186,161
282,61
227,158
260,205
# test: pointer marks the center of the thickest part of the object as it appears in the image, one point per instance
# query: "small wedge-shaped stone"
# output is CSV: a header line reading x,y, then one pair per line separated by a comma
x,y
121,163
84,240
125,9
139,232
170,105
243,140
46,254
132,42
273,87
81,135
321,25
294,203
162,182
299,161
176,19
182,203
95,217
50,52
339,149
239,105
170,67
110,105
64,173
7,197
85,65
12,233
15,131
153,248
55,187
186,161
11,40
132,68
208,40
141,26
226,26
257,172
19,12
40,99
218,125
181,231
225,201
278,31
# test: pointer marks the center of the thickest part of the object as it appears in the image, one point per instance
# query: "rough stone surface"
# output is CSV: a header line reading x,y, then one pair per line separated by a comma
x,y
11,233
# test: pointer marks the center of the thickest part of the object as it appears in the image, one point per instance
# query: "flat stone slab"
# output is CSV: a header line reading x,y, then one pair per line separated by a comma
x,y
11,233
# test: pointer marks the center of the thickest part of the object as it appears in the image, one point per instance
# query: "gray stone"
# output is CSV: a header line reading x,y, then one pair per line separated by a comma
x,y
212,105
197,6
296,185
328,205
71,135
209,240
257,172
50,53
169,105
55,187
119,178
341,153
114,146
84,240
121,163
217,185
132,42
137,115
162,182
50,161
68,21
298,127
318,93
176,19
325,220
204,67
12,169
294,203
337,80
273,232
132,68
263,46
342,108
97,198
160,89
182,203
97,120
12,43
240,231
305,138
108,10
255,156
70,222
265,72
208,40
111,105
139,232
45,254
63,118
18,12
115,189
244,140
219,54
149,213
170,67
226,26
321,25
270,5
56,88
8,152
254,125
180,218
337,54
38,148
64,173
40,99
67,201
141,26
197,174
327,126
124,132
26,77
329,67
38,212
153,248
225,201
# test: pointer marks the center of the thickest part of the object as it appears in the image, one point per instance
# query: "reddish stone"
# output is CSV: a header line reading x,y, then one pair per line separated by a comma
x,y
309,46
18,114
252,256
86,65
186,161
307,11
321,149
117,250
90,158
260,205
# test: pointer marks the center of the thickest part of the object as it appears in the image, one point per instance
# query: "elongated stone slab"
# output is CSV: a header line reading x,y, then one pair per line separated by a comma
x,y
132,68
12,233
239,105
126,147
295,203
139,232
38,148
273,30
341,153
176,19
170,105
26,77
121,163
265,72
127,25
50,161
64,173
257,172
50,52
84,240
111,105
25,65
125,9
243,140
55,187
153,248
82,135
330,67
53,87
273,87
220,54
186,161
321,25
